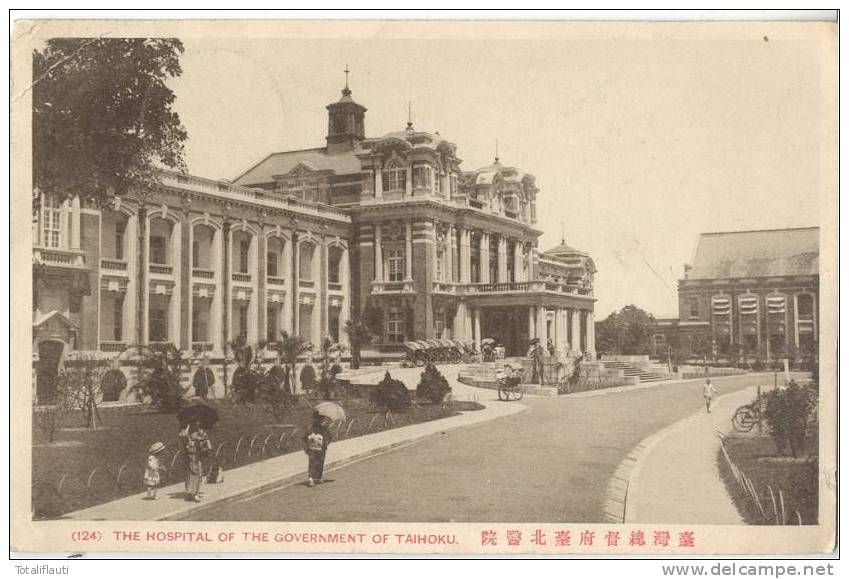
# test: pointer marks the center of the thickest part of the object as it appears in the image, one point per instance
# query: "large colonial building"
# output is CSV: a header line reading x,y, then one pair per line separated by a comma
x,y
304,240
753,291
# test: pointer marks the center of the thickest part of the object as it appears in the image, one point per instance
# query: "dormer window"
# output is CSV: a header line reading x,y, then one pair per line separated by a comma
x,y
421,177
394,179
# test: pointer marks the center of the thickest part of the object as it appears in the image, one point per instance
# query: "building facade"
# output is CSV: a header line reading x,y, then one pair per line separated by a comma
x,y
750,292
304,240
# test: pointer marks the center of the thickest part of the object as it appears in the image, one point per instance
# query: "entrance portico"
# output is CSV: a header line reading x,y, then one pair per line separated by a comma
x,y
514,318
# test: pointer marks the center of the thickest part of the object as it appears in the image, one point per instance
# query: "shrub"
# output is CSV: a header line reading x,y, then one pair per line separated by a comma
x,y
787,412
433,385
391,394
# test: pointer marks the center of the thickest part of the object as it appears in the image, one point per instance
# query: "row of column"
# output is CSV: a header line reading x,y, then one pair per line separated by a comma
x,y
464,253
182,287
467,327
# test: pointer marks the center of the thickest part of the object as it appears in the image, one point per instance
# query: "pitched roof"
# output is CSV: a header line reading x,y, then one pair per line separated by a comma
x,y
563,249
281,163
774,252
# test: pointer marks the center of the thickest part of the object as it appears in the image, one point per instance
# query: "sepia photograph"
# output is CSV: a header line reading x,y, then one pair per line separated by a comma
x,y
424,287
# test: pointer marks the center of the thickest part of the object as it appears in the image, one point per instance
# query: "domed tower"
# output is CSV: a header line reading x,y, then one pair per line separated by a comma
x,y
345,122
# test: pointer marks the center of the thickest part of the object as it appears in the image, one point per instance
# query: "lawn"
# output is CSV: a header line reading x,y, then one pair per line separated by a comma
x,y
83,467
794,480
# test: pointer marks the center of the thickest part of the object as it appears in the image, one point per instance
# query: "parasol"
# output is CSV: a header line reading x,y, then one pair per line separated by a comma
x,y
199,411
514,366
487,342
533,341
330,410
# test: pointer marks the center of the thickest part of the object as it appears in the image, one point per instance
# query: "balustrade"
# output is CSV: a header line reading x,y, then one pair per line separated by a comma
x,y
113,264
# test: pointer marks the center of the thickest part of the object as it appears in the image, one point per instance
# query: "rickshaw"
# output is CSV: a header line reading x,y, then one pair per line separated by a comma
x,y
509,384
416,354
452,355
436,351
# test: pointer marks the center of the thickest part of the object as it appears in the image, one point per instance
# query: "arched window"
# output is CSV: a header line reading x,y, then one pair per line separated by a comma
x,y
334,264
305,257
394,177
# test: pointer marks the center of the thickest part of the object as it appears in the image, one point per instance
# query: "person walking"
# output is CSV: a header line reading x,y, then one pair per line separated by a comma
x,y
316,441
535,353
708,392
196,446
204,378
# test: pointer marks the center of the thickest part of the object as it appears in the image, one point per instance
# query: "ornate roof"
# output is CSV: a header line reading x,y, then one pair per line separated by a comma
x,y
765,253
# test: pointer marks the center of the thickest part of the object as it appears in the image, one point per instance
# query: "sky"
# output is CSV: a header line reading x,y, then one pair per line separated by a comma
x,y
638,142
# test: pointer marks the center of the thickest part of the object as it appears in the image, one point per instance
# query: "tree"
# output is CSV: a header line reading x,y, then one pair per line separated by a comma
x,y
629,331
102,116
358,336
289,348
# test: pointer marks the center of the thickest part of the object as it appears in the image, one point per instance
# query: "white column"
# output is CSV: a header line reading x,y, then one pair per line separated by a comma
x,y
532,322
465,256
449,254
502,259
296,290
131,305
458,329
345,311
408,251
76,220
484,258
476,316
576,330
378,254
408,185
591,335
378,181
291,284
517,261
542,329
175,322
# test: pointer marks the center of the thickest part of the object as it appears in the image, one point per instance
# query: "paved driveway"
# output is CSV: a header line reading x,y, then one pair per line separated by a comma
x,y
550,464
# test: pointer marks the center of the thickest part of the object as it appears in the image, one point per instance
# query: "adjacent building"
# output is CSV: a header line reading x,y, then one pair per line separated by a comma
x,y
755,292
305,240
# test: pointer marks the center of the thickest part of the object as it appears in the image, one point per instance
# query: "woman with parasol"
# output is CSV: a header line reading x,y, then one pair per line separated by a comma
x,y
317,438
195,419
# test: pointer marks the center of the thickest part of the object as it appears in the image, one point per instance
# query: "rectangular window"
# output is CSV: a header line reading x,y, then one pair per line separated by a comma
x,y
244,252
453,185
158,254
271,324
693,307
243,321
119,240
438,328
271,264
440,264
395,326
158,325
51,222
396,264
437,182
195,253
395,180
421,177
118,318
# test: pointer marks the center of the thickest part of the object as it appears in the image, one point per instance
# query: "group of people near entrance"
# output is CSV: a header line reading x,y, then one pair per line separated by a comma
x,y
567,362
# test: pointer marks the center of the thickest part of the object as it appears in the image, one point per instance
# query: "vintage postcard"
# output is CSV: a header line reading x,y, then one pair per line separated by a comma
x,y
492,288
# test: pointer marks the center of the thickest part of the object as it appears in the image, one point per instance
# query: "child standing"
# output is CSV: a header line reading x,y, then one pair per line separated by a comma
x,y
152,470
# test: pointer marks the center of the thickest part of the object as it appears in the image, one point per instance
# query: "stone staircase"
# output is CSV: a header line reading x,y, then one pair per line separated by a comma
x,y
651,373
